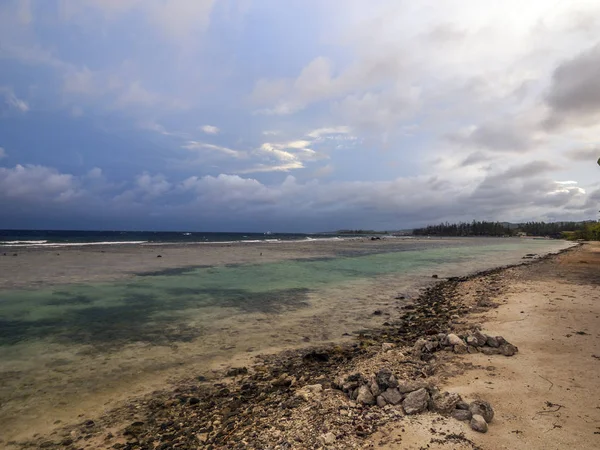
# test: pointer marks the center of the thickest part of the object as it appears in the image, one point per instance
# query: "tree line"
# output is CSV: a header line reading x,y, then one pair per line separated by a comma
x,y
570,230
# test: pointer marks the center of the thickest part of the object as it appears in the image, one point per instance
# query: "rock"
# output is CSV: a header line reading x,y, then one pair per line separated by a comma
x,y
461,414
482,408
381,401
313,388
462,405
460,349
377,312
500,340
472,349
236,371
416,402
404,387
477,339
327,438
453,339
365,396
491,341
490,351
419,346
479,424
430,346
434,276
508,349
374,388
392,396
386,379
481,338
387,346
444,402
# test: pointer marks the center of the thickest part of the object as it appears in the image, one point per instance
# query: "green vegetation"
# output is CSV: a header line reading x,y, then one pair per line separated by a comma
x,y
567,230
589,232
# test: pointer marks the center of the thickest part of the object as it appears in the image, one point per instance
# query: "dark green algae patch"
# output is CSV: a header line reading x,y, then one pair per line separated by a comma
x,y
154,311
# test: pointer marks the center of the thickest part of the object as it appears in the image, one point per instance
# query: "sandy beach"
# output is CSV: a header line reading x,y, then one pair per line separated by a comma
x,y
546,397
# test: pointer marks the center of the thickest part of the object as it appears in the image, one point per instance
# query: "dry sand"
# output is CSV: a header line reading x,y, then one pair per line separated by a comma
x,y
548,395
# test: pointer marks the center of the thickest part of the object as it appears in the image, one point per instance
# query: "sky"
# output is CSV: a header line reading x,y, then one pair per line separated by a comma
x,y
297,115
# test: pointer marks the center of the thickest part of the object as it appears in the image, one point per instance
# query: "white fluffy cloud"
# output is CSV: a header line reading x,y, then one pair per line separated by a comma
x,y
209,129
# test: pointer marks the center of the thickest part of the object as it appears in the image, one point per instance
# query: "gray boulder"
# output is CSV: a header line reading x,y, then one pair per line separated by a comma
x,y
381,401
479,424
508,349
482,408
491,341
365,396
444,402
490,351
416,402
409,386
461,414
392,396
453,339
385,379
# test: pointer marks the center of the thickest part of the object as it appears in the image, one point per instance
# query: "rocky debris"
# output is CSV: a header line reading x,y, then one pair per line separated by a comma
x,y
479,424
473,342
387,346
327,438
416,402
482,408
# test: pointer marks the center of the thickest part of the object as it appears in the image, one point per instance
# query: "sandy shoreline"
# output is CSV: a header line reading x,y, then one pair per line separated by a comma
x,y
534,289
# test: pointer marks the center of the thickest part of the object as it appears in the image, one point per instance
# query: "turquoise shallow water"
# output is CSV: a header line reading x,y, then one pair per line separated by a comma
x,y
154,308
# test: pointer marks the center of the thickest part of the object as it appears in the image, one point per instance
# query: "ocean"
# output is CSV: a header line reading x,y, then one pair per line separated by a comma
x,y
61,238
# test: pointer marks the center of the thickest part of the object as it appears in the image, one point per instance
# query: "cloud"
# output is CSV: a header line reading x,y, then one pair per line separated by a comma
x,y
195,145
584,154
2,153
12,102
209,129
328,131
499,136
574,95
36,183
518,193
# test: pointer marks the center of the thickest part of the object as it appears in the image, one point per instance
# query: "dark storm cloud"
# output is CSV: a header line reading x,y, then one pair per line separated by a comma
x,y
584,154
575,90
499,136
